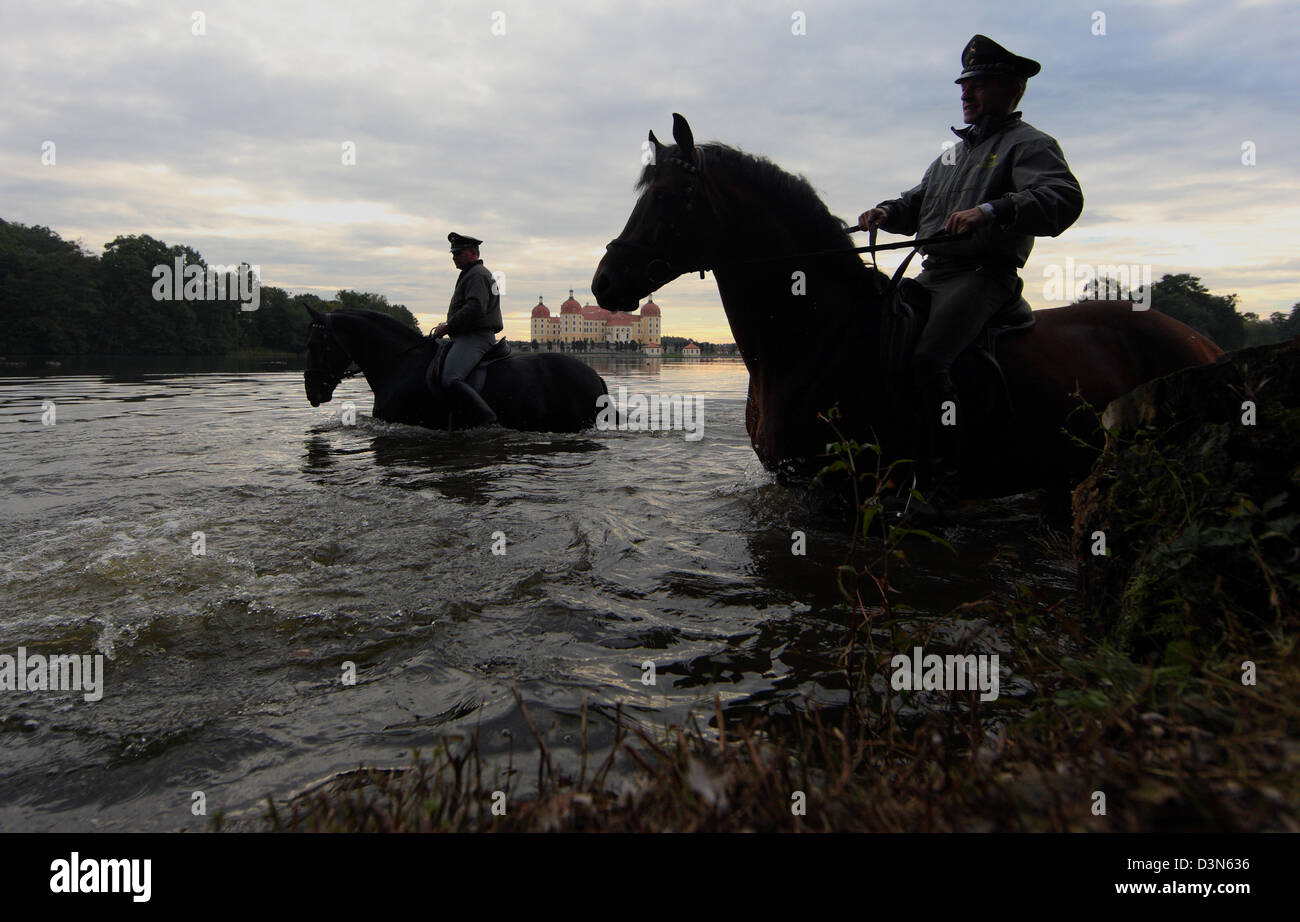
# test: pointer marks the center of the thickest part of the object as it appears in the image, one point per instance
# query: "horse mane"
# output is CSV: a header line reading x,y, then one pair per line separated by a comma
x,y
390,325
793,195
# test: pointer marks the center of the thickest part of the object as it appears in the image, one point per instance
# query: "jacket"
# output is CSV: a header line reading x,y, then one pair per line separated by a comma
x,y
475,306
1013,167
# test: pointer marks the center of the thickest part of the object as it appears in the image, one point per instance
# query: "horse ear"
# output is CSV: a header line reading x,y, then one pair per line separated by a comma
x,y
682,135
315,314
659,148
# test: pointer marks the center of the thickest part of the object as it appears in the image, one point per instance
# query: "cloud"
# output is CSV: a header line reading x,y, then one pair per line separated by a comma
x,y
232,141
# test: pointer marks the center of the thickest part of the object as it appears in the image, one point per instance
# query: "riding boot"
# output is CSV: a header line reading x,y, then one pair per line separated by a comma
x,y
469,409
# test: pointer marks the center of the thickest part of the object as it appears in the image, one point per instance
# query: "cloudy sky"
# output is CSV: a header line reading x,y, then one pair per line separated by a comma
x,y
521,123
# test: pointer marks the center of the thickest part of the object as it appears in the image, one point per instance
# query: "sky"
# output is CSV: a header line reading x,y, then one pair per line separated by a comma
x,y
222,125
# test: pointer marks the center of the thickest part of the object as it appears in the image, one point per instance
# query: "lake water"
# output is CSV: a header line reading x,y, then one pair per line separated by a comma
x,y
373,544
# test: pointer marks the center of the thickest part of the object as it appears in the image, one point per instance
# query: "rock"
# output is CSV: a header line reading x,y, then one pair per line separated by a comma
x,y
1197,495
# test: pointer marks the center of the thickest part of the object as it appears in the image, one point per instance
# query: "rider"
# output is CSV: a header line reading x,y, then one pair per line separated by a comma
x,y
473,319
1006,182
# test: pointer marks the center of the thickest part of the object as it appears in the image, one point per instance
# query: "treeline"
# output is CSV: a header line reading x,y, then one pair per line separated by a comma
x,y
675,344
1184,298
57,299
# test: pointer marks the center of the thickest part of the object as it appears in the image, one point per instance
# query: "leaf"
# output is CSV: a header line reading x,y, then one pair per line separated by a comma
x,y
921,532
868,516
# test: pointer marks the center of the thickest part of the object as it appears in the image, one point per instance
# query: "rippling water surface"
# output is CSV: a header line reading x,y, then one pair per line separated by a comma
x,y
373,544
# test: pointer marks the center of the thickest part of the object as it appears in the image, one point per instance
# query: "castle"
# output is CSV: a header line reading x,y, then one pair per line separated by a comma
x,y
590,323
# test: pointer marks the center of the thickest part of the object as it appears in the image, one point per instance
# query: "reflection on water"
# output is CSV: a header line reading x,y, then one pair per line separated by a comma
x,y
449,567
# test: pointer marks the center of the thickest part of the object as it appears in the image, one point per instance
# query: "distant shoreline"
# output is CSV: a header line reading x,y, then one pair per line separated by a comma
x,y
42,358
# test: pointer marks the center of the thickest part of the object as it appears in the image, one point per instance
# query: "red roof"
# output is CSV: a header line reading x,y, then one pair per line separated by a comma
x,y
541,310
570,305
649,309
621,320
595,312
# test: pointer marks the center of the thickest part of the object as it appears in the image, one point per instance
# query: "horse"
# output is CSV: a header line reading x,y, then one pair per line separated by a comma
x,y
806,315
542,392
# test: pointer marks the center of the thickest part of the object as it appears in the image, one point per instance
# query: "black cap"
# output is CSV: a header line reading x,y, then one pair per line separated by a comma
x,y
461,242
984,57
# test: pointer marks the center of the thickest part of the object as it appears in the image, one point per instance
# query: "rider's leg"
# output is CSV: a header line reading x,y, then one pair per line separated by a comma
x,y
468,407
961,302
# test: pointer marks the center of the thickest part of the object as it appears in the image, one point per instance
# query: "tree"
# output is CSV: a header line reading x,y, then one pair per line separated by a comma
x,y
365,300
49,296
1107,288
1286,326
1184,298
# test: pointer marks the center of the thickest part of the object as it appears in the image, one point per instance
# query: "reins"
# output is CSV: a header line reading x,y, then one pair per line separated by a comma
x,y
872,248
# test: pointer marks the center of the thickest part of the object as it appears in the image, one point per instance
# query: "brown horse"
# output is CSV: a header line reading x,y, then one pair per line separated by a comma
x,y
807,325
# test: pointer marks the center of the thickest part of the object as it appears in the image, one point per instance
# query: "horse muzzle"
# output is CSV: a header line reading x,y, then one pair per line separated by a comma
x,y
618,287
318,391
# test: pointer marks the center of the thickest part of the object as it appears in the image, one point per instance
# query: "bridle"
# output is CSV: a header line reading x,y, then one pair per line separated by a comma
x,y
332,380
328,378
662,266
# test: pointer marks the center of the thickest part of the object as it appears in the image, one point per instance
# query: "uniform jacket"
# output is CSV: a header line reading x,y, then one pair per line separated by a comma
x,y
475,307
1012,166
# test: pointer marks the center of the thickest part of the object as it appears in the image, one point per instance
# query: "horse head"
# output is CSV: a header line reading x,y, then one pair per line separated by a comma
x,y
326,360
673,229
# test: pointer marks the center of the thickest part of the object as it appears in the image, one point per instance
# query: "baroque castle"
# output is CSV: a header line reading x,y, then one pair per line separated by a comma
x,y
590,323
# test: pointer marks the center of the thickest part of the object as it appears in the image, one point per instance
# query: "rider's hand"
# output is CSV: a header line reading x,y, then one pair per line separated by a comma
x,y
872,218
959,222
439,330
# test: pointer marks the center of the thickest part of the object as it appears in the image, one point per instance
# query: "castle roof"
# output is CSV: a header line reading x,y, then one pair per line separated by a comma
x,y
570,305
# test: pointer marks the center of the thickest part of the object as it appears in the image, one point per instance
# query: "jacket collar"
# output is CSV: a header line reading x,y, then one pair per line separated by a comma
x,y
984,129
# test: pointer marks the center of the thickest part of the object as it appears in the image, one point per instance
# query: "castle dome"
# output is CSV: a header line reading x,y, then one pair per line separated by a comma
x,y
649,309
571,306
541,310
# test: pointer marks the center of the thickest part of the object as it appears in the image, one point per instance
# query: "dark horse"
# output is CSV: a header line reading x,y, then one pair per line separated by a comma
x,y
715,207
545,392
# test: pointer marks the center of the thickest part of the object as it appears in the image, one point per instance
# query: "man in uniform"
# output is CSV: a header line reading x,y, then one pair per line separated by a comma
x,y
473,320
1004,183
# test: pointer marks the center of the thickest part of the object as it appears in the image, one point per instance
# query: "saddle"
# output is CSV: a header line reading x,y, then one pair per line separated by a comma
x,y
433,377
976,372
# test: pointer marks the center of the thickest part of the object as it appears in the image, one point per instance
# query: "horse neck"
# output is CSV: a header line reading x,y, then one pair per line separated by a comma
x,y
758,290
372,347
